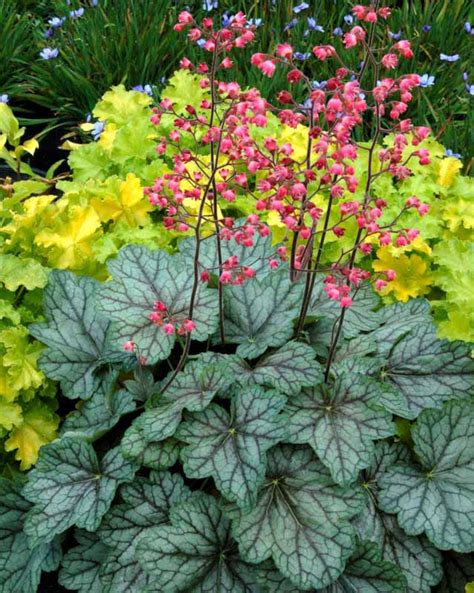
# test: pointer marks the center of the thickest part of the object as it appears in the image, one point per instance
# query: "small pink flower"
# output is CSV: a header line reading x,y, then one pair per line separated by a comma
x,y
284,50
267,67
346,301
189,325
129,346
169,329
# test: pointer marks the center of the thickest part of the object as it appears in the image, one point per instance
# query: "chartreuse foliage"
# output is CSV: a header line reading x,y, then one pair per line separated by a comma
x,y
247,471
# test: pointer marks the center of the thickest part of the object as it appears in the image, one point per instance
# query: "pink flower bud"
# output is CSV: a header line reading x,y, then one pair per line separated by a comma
x,y
169,329
129,346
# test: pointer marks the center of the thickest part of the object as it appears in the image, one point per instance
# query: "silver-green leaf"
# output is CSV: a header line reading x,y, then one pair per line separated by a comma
x,y
69,486
301,519
140,278
437,496
81,565
231,447
340,422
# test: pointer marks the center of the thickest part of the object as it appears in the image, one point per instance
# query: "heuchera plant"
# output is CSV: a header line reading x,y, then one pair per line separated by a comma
x,y
237,430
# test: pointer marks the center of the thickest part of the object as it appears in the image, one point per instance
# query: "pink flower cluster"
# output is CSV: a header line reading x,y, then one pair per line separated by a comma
x,y
161,317
268,170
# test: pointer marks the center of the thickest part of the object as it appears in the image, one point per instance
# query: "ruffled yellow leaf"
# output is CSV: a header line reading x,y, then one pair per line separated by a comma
x,y
30,146
447,169
413,277
298,138
107,137
130,205
38,428
10,414
21,358
7,392
87,126
470,587
73,238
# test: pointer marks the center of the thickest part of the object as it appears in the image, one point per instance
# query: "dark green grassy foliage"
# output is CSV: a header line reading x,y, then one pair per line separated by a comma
x,y
132,41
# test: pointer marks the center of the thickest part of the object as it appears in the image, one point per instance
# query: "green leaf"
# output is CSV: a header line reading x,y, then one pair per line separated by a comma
x,y
99,414
428,371
81,564
458,570
20,564
271,323
418,559
69,486
147,504
288,369
159,456
143,384
231,447
437,497
340,422
365,572
195,553
75,333
192,389
300,519
140,278
17,271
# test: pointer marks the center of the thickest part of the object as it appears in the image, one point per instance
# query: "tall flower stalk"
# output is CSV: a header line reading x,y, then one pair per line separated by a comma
x,y
227,147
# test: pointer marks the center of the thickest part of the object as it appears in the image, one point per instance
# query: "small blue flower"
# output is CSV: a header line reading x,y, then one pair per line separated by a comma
x,y
469,28
147,89
4,98
449,152
290,25
49,53
300,56
447,58
209,5
48,33
226,19
470,89
395,36
97,129
95,3
201,42
318,85
255,22
163,80
348,19
465,76
300,7
75,14
312,26
56,22
426,28
426,80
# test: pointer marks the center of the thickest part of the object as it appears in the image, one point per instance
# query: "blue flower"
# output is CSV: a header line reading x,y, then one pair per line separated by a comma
x,y
226,19
465,76
395,36
470,89
447,58
469,28
426,28
147,89
75,14
201,42
426,80
300,56
312,26
48,33
210,5
300,7
318,85
95,2
49,53
290,25
348,19
255,22
4,98
338,31
56,22
449,152
97,129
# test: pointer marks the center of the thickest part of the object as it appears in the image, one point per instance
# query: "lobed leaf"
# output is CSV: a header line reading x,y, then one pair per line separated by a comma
x,y
437,496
